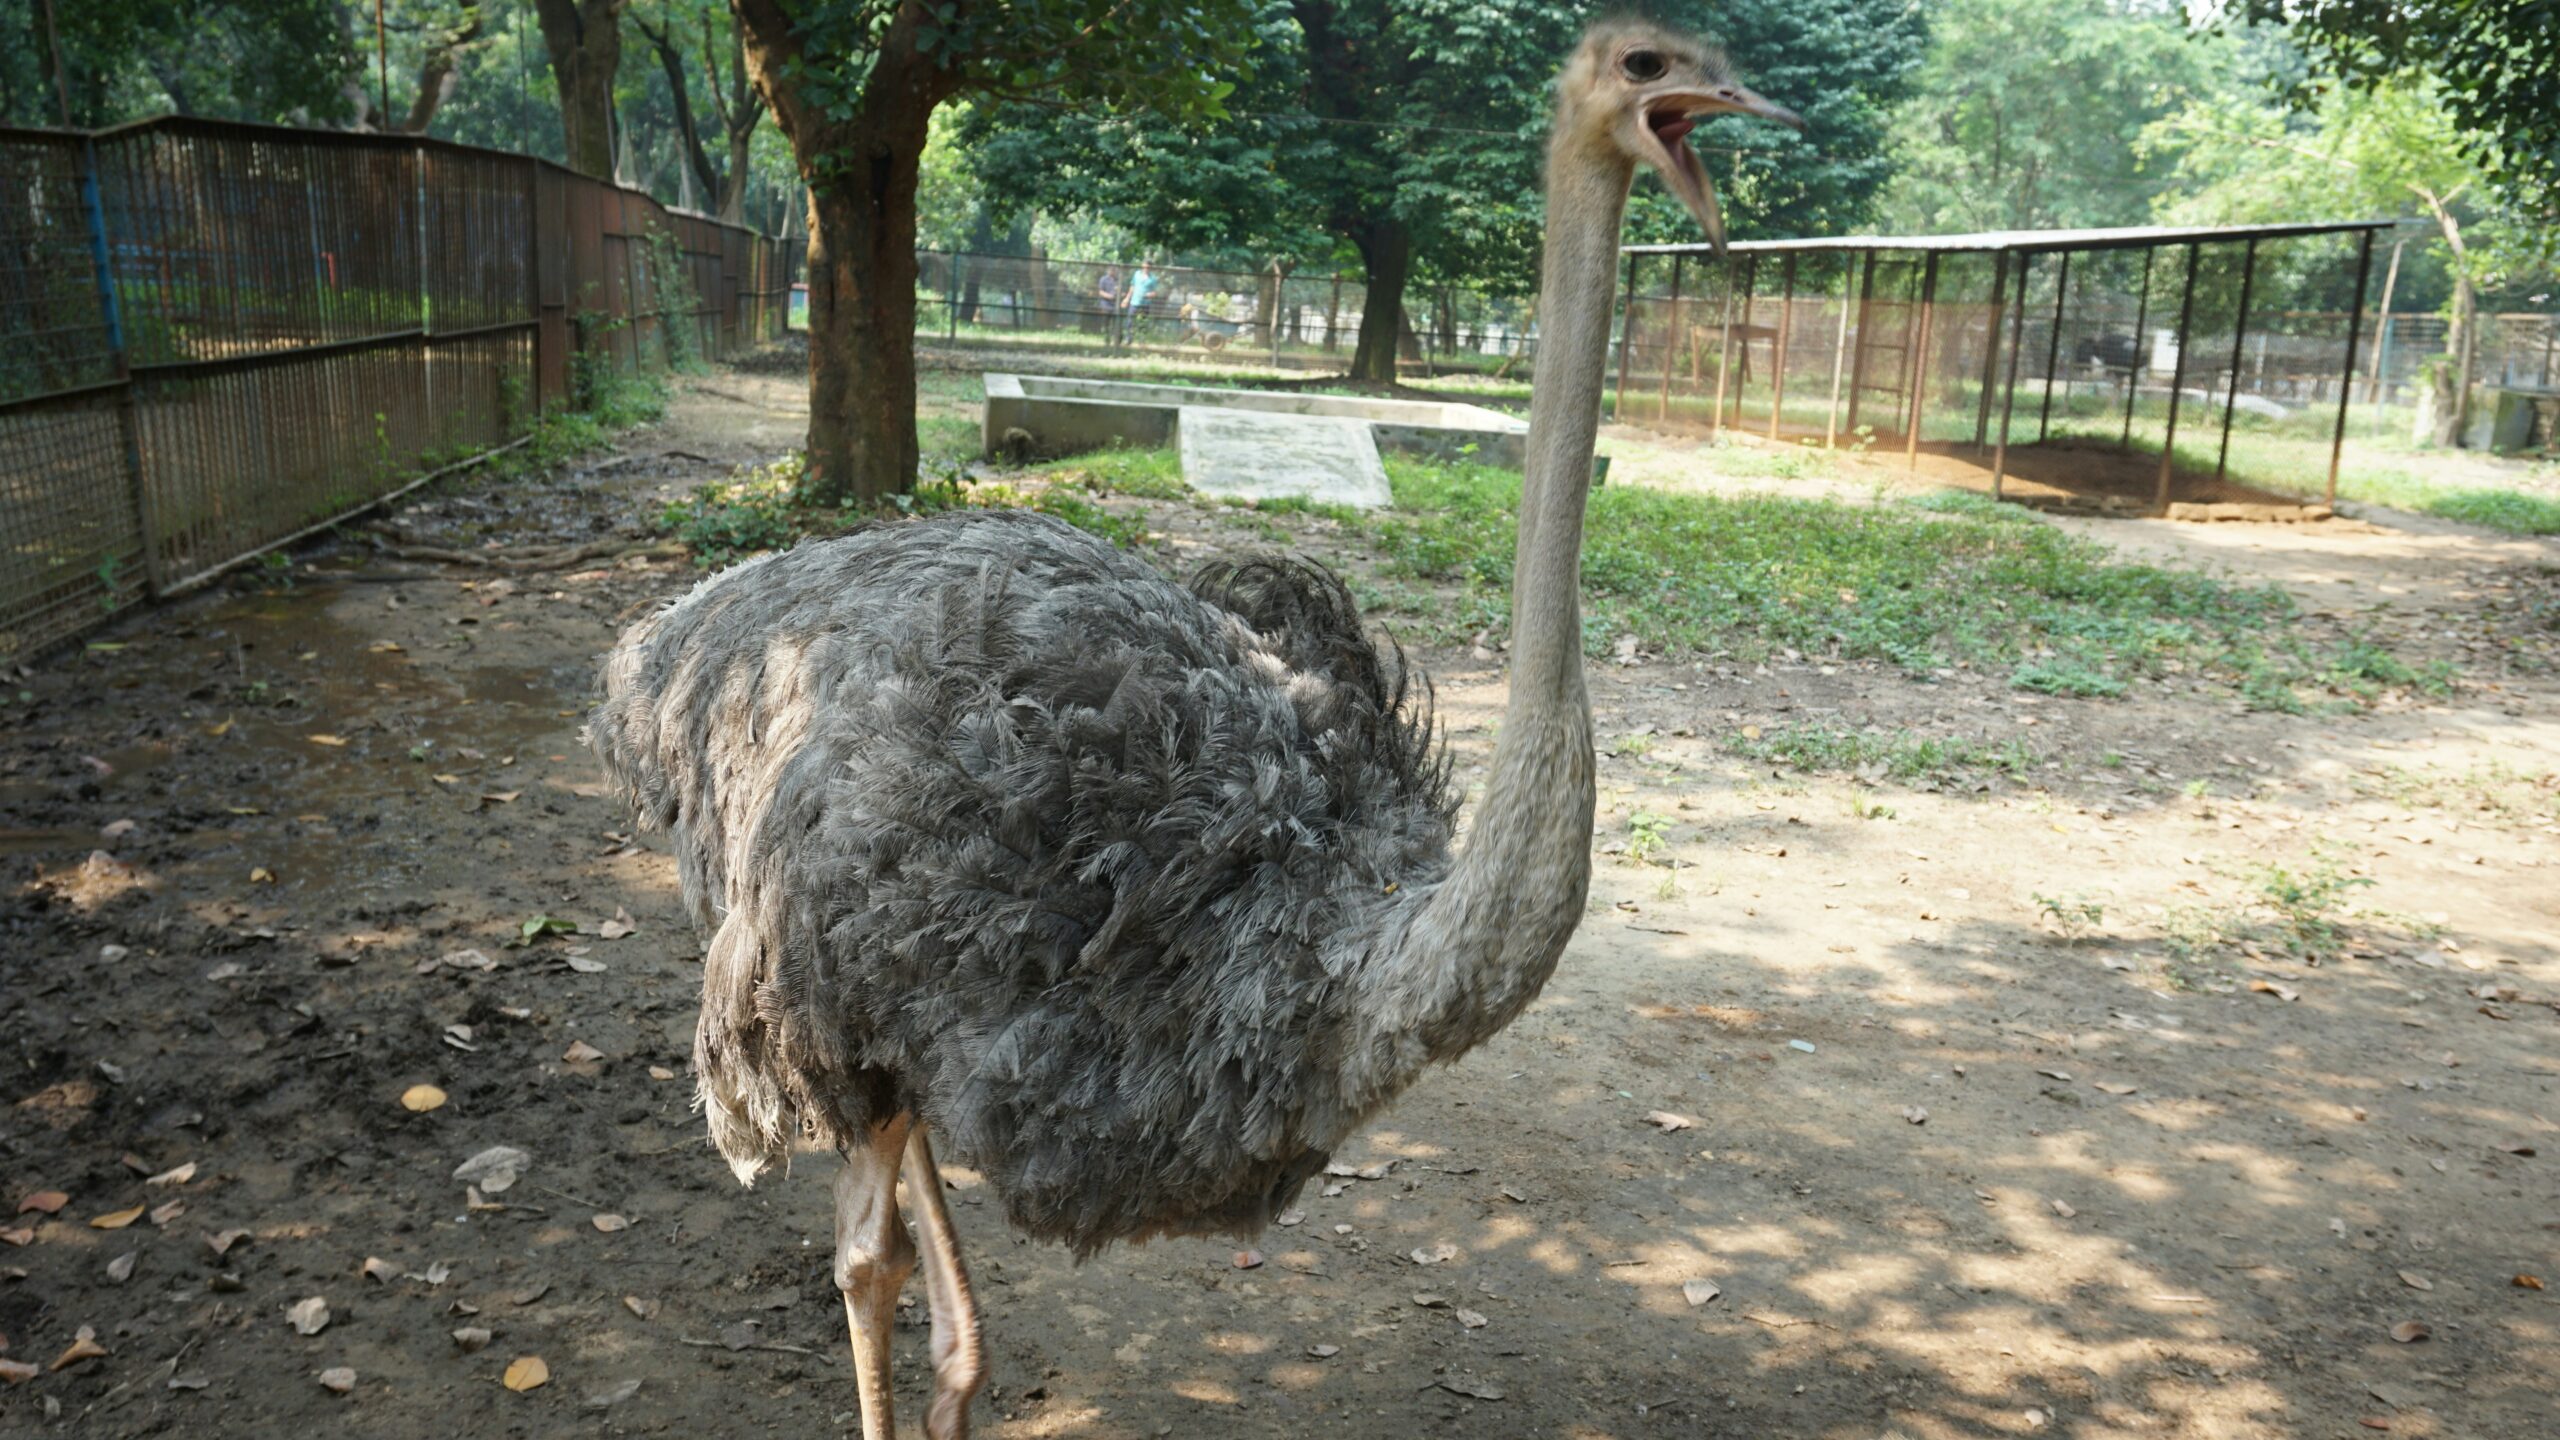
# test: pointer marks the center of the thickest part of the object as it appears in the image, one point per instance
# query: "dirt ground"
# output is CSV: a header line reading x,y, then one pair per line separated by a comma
x,y
1947,1170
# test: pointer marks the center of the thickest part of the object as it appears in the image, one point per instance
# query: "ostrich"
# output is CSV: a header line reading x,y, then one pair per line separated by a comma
x,y
1136,896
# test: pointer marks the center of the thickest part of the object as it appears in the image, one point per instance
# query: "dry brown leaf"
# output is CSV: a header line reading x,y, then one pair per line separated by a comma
x,y
619,926
2527,1282
1666,1122
261,875
221,1242
2409,1332
380,1270
84,1346
645,1309
582,1053
527,1372
420,1099
308,1315
2276,988
2518,1147
120,1269
661,1072
1699,1292
167,1211
179,1175
44,1202
19,1235
1247,1260
2416,1281
610,1223
331,740
338,1379
117,1219
471,1339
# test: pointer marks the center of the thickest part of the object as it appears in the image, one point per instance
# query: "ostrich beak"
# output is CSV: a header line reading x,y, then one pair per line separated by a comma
x,y
1668,118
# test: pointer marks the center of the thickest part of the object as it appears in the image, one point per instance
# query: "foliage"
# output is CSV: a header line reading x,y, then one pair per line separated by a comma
x,y
2309,903
1903,756
728,520
2498,62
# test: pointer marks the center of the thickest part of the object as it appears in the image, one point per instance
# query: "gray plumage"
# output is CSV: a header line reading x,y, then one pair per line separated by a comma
x,y
993,824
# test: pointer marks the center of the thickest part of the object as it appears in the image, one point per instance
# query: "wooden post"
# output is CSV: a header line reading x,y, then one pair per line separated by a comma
x,y
2177,382
2382,331
1858,358
2239,341
1840,350
2347,382
1991,346
1724,348
1662,402
2133,372
1919,367
1626,336
2053,344
1750,287
1778,351
2009,392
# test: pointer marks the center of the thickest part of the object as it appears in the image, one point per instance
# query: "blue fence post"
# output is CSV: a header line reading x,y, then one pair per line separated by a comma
x,y
93,213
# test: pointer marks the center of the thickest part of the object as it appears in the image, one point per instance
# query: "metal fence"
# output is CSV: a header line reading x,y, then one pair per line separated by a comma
x,y
1275,317
216,337
2145,354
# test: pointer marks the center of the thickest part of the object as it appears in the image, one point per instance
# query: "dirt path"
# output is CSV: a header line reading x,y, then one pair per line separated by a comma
x,y
1949,1173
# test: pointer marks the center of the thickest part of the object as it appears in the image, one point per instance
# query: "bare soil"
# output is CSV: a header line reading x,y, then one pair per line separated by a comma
x,y
1953,1163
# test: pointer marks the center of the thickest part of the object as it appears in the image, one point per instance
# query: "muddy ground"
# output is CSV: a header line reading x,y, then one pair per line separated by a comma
x,y
1958,1164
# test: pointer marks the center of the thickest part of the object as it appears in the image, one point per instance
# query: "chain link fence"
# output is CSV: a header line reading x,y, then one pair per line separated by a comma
x,y
217,337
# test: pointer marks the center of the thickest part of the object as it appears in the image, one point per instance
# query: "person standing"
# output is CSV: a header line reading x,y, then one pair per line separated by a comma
x,y
1141,286
1107,291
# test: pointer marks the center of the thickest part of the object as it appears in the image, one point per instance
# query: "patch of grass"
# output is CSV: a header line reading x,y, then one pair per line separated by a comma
x,y
2072,916
728,520
2309,904
1145,474
1946,580
1899,757
2496,792
2511,511
1648,838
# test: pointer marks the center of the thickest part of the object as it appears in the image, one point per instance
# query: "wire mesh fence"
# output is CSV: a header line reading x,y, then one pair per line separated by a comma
x,y
2122,369
215,337
1276,317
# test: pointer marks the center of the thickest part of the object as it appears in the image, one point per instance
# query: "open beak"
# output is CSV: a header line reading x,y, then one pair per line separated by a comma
x,y
1670,115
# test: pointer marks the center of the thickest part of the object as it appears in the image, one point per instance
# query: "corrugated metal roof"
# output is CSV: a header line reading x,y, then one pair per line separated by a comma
x,y
2128,237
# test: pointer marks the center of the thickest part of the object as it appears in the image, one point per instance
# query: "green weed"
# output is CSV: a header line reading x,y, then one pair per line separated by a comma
x,y
1900,757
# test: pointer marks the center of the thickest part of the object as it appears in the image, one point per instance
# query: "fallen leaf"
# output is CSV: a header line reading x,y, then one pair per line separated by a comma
x,y
466,960
1324,1352
494,1170
1699,1292
421,1098
261,875
1433,1255
2416,1281
18,1372
190,1381
610,1223
435,1274
179,1175
645,1309
502,797
1247,1260
1470,1319
116,1219
585,966
661,1072
2527,1282
1666,1122
2062,1075
527,1372
2277,989
44,1202
332,740
84,1346
308,1316
529,1294
221,1242
20,1235
379,1270
2409,1332
582,1053
120,1269
619,926
338,1378
471,1339
167,1211
611,1395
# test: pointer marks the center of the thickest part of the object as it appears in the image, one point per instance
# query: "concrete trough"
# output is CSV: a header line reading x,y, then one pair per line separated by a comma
x,y
1053,415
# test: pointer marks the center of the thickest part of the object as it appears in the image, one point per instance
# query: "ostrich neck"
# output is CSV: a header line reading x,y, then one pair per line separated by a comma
x,y
1478,947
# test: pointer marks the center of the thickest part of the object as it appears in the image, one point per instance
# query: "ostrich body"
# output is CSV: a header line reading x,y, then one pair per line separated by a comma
x,y
1137,895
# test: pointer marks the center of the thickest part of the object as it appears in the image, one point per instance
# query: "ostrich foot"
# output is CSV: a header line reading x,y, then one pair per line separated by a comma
x,y
873,1259
959,1351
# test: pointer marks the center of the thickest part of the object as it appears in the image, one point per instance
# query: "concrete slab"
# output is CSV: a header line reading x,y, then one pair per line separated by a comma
x,y
1263,455
1052,415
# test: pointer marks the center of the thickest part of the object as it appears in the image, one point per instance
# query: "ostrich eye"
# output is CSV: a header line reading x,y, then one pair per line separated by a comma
x,y
1643,65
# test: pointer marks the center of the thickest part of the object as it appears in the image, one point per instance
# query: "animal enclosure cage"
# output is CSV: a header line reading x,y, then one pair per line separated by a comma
x,y
216,337
2146,369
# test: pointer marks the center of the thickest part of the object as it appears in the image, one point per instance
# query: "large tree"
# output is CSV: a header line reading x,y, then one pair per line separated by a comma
x,y
854,85
585,41
696,38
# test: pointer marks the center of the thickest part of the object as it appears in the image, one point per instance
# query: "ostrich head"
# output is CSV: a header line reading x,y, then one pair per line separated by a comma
x,y
1637,89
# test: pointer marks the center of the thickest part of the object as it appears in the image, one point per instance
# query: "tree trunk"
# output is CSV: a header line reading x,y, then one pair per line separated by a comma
x,y
693,159
1387,251
733,186
862,326
585,41
2453,382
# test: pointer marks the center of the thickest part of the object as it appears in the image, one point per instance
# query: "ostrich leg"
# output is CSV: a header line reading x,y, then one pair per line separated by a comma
x,y
959,1353
873,1259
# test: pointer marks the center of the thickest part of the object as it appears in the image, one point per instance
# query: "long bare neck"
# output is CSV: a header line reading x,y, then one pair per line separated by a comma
x,y
1480,945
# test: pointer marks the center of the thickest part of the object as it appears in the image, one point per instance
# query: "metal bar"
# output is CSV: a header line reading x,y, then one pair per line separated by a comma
x,y
2239,342
1626,337
1662,402
1839,352
1991,348
2382,332
2009,392
188,369
1918,366
1858,357
110,309
1724,350
2177,382
1778,350
1750,288
2053,343
2140,363
2347,385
